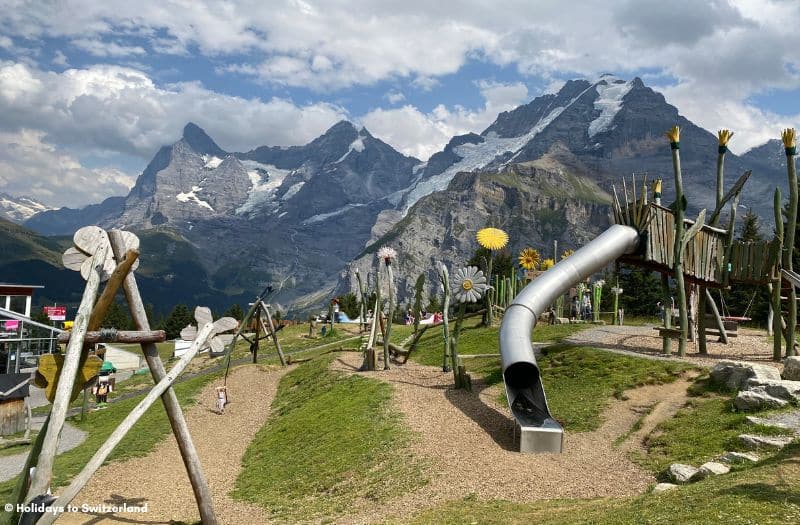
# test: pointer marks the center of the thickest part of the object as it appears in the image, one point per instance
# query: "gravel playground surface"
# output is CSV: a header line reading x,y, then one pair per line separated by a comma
x,y
750,345
159,479
467,439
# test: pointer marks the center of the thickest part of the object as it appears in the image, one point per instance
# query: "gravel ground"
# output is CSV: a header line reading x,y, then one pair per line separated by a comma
x,y
750,345
160,480
467,440
71,437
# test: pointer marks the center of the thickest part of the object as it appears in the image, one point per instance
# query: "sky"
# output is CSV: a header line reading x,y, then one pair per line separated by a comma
x,y
89,90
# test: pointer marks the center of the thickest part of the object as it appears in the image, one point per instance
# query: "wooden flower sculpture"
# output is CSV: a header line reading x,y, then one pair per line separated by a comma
x,y
674,136
529,258
86,241
202,315
470,284
387,254
724,135
789,137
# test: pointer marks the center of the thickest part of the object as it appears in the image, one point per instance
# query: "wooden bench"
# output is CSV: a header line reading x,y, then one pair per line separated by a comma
x,y
672,333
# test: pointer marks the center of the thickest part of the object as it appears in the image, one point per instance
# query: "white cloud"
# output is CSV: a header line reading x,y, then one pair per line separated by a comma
x,y
138,117
6,43
99,48
60,59
30,166
394,97
422,134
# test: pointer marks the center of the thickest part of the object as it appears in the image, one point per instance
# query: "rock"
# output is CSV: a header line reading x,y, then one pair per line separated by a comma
x,y
739,457
786,390
756,442
710,468
562,320
681,473
787,420
757,399
663,487
734,374
791,368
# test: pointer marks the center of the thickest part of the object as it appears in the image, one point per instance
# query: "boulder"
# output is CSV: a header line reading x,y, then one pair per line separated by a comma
x,y
782,389
680,473
739,457
711,468
734,374
757,399
791,368
663,487
787,420
756,442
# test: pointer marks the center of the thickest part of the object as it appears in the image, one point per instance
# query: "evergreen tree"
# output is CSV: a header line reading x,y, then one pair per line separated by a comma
x,y
348,303
641,291
117,317
234,311
434,305
179,317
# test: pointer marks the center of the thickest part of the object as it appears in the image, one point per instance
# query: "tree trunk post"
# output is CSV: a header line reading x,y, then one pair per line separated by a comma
x,y
194,469
390,317
445,278
667,310
790,148
680,208
777,328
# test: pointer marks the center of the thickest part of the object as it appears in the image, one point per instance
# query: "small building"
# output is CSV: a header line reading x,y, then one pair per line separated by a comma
x,y
17,297
22,340
13,391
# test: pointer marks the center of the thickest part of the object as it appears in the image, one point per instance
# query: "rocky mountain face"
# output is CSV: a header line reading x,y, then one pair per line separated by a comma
x,y
19,209
299,215
537,202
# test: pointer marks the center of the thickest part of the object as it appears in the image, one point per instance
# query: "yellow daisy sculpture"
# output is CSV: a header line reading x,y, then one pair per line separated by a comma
x,y
492,238
547,264
529,258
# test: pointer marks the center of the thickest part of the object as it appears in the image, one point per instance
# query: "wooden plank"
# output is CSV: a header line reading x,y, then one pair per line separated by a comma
x,y
191,461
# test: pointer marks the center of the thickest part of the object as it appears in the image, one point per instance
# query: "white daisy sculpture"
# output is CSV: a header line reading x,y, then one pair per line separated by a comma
x,y
387,254
470,284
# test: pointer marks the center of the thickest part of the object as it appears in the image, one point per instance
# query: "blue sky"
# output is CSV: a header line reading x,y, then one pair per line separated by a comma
x,y
89,90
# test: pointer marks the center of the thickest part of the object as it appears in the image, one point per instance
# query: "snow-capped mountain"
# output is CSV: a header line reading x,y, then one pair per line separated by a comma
x,y
19,209
301,214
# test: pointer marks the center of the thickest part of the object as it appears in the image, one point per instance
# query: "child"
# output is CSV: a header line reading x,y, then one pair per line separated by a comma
x,y
222,398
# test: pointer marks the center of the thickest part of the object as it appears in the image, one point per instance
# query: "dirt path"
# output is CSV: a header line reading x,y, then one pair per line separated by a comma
x,y
159,479
467,439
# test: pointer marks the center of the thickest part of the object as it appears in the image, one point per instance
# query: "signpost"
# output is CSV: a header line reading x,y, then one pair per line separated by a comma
x,y
56,313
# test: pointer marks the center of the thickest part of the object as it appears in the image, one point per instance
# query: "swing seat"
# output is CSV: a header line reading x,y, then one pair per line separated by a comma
x,y
736,319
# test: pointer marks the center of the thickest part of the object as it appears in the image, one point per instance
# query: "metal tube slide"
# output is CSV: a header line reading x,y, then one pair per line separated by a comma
x,y
526,398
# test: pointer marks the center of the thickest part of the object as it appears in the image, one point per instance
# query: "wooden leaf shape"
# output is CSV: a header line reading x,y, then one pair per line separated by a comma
x,y
88,238
202,315
188,333
105,273
223,324
49,370
217,346
73,258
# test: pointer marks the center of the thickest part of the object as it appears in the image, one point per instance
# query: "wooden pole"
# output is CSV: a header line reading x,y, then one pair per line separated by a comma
x,y
125,336
188,452
259,325
777,328
72,358
680,208
666,341
790,239
274,333
444,276
122,429
723,334
111,289
390,317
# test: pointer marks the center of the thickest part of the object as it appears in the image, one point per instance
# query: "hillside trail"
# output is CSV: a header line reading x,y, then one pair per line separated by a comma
x,y
467,440
159,479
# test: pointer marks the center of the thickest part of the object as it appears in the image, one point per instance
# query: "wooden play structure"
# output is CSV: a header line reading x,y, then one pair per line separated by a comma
x,y
705,256
108,256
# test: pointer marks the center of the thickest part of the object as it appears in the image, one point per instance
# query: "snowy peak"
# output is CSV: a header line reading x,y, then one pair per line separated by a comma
x,y
199,141
610,92
19,209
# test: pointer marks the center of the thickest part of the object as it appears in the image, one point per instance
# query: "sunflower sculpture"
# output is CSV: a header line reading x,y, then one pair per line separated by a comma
x,y
492,238
529,258
470,284
388,254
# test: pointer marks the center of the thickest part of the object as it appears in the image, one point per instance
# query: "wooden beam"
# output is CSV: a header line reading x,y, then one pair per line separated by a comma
x,y
123,336
191,461
72,358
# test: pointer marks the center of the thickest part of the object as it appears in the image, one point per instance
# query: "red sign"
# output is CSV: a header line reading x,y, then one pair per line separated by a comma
x,y
56,313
